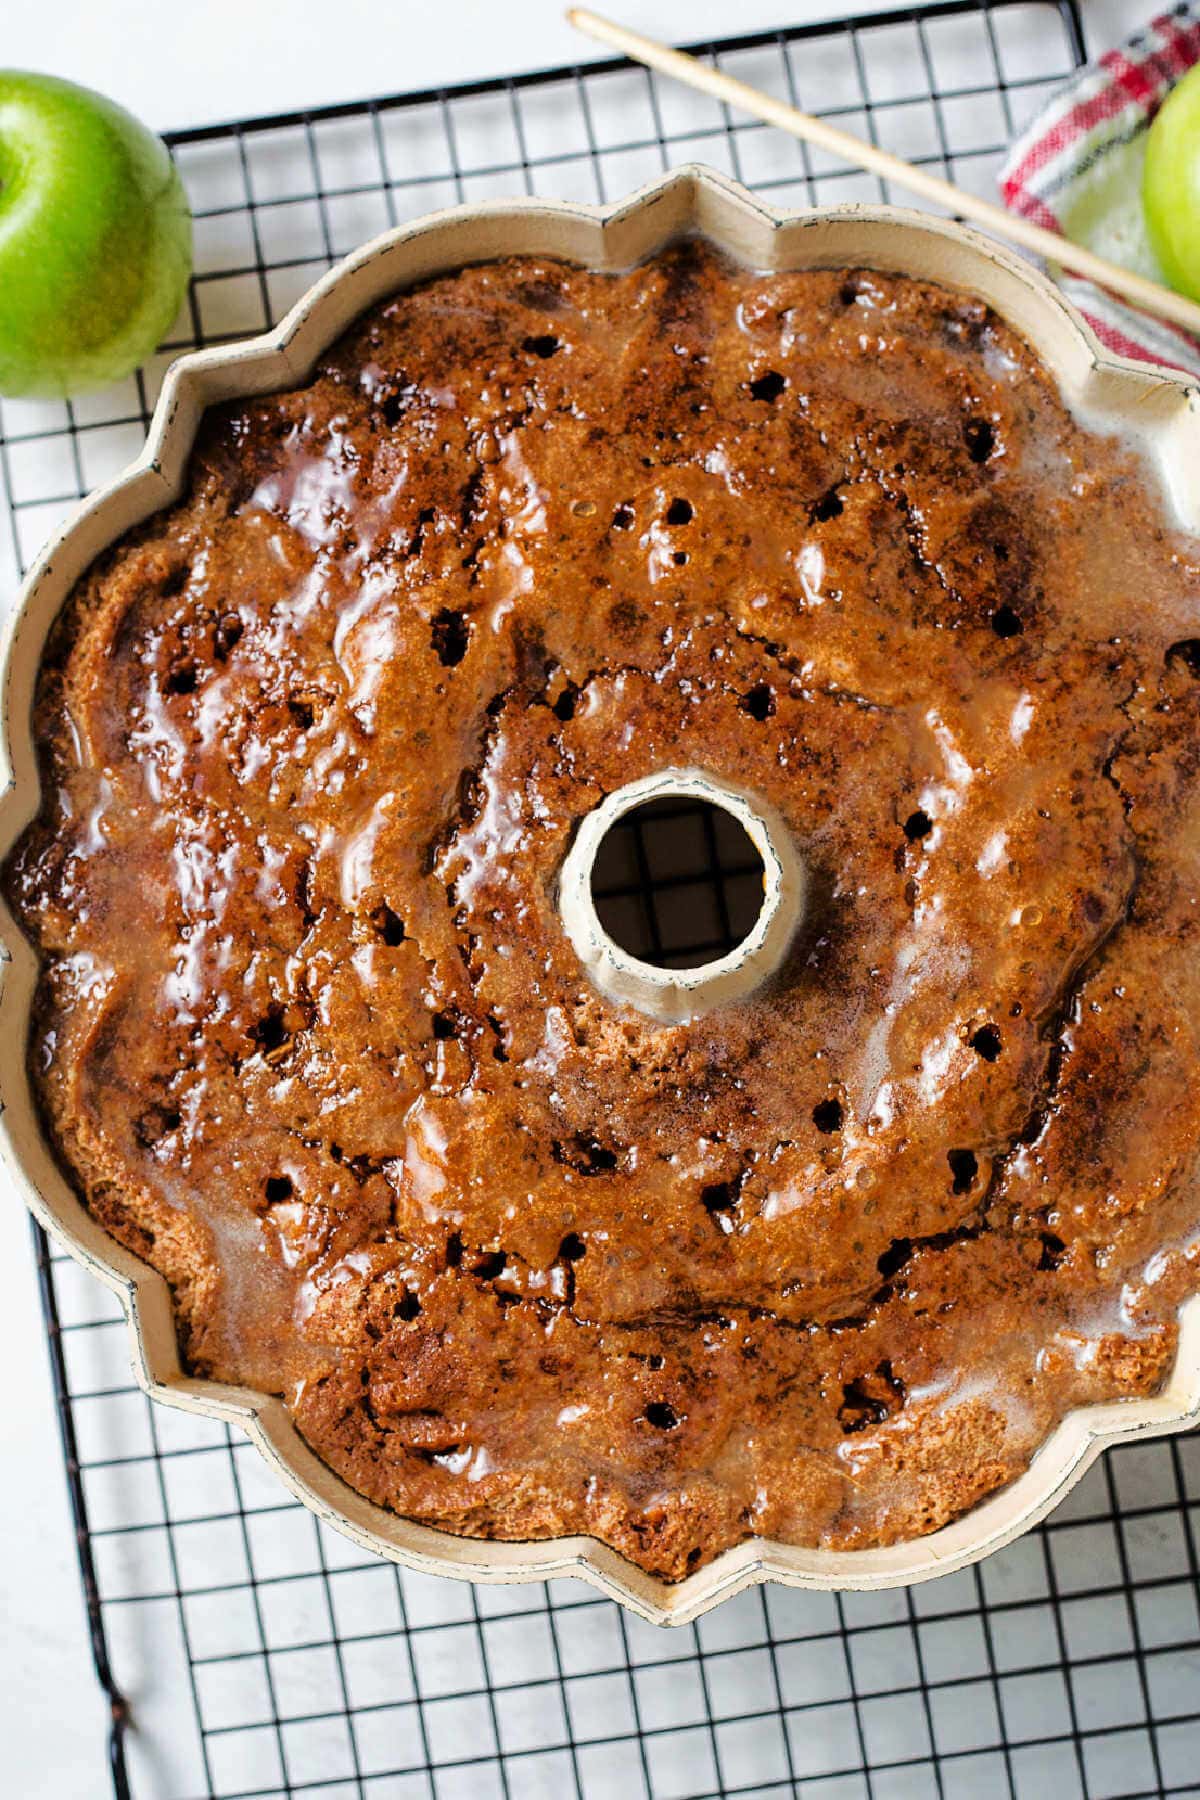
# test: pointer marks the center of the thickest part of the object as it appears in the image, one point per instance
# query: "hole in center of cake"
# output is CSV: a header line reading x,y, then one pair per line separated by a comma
x,y
680,893
677,883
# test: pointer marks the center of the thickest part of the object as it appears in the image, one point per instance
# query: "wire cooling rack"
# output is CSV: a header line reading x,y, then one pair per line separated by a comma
x,y
250,1652
678,883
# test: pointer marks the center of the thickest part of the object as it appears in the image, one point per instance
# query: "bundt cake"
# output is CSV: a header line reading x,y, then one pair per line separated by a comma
x,y
825,1265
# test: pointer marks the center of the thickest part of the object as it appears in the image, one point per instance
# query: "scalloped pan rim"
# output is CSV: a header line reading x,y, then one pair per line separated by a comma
x,y
1158,406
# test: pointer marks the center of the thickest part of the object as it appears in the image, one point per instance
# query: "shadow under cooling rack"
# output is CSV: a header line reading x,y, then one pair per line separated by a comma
x,y
267,1656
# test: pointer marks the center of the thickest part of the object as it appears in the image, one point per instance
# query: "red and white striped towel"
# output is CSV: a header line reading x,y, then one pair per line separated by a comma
x,y
1082,155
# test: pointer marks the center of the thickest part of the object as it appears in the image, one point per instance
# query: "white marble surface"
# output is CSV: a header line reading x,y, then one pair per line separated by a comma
x,y
175,66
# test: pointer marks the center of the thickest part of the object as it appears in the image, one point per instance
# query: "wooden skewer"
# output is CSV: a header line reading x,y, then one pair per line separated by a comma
x,y
1137,288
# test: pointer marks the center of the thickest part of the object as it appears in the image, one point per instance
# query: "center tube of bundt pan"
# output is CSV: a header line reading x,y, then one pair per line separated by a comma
x,y
675,995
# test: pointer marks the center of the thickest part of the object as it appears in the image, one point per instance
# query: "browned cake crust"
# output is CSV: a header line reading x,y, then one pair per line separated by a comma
x,y
311,1039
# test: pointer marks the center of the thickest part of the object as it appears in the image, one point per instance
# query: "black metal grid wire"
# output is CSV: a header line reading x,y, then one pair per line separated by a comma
x,y
268,1657
677,883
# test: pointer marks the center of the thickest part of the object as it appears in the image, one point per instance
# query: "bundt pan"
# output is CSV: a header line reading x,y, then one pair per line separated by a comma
x,y
1153,405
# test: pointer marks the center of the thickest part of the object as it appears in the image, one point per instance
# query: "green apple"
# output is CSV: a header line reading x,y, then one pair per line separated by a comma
x,y
95,238
1171,184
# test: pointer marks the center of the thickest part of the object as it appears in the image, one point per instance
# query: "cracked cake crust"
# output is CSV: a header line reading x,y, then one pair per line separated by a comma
x,y
826,1266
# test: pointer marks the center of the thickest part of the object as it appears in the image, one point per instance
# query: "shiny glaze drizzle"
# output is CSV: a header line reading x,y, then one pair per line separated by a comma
x,y
827,1265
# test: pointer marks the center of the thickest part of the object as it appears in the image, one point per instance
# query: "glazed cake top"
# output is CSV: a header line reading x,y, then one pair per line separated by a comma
x,y
825,1265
